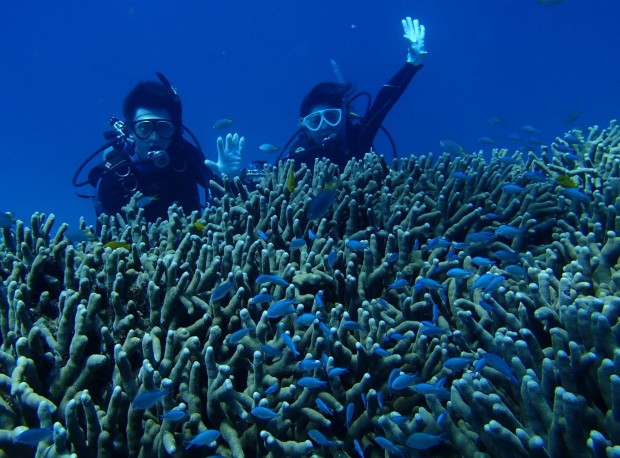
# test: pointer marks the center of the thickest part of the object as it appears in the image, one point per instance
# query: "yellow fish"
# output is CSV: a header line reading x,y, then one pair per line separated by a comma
x,y
290,180
114,244
566,182
198,225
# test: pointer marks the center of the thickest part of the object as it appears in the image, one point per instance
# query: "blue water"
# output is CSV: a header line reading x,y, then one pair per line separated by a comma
x,y
65,70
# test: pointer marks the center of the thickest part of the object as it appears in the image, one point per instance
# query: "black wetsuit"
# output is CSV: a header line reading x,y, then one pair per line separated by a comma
x,y
360,132
119,177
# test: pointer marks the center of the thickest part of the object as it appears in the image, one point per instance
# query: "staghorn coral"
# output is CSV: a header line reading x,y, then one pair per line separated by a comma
x,y
89,328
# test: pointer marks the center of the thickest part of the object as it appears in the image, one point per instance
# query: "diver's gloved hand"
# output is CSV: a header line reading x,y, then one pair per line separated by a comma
x,y
415,32
228,155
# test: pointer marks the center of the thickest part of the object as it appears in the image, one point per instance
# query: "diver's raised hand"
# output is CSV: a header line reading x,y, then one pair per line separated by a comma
x,y
414,32
228,155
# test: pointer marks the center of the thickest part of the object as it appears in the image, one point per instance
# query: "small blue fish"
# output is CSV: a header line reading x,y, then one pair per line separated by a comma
x,y
516,271
320,438
461,176
499,364
337,371
206,437
437,242
431,330
388,446
571,138
424,441
311,234
306,319
33,436
308,364
319,299
352,326
263,413
494,284
270,351
175,415
264,278
392,258
323,407
364,400
481,237
458,273
349,414
262,298
512,188
510,232
271,389
358,448
577,195
145,201
428,283
380,352
236,336
427,389
331,259
281,308
402,382
536,176
357,246
321,203
506,256
268,148
457,364
148,399
380,400
263,236
223,123
7,221
398,284
488,307
296,244
312,383
222,290
383,303
288,341
479,261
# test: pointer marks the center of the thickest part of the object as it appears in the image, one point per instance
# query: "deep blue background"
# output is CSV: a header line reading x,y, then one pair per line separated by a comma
x,y
67,65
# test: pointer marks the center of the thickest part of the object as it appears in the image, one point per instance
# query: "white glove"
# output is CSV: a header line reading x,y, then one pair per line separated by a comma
x,y
228,155
415,32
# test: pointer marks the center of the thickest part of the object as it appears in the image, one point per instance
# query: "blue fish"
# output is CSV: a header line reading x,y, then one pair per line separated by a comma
x,y
308,364
270,351
352,326
424,441
576,194
358,448
222,290
296,244
320,438
319,299
383,303
488,307
494,284
337,371
428,283
380,352
499,364
458,273
506,256
263,236
323,407
263,413
571,138
306,319
388,446
430,330
457,364
516,271
321,203
349,414
403,381
206,437
271,389
480,261
380,400
461,176
483,281
312,383
510,232
331,259
264,278
357,246
437,242
536,177
281,308
175,415
392,258
33,436
290,344
148,399
481,237
512,188
311,234
262,298
427,389
236,336
398,284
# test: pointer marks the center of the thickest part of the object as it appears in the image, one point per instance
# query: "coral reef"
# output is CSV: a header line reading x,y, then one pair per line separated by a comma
x,y
463,306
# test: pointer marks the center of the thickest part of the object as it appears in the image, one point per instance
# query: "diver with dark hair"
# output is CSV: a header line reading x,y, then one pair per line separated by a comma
x,y
328,127
149,154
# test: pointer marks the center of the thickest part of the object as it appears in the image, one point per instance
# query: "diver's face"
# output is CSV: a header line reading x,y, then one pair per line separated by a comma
x,y
160,135
328,119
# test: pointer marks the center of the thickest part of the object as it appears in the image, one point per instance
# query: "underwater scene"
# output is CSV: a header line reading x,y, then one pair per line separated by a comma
x,y
315,229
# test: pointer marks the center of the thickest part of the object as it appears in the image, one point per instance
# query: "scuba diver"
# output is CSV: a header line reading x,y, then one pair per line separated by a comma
x,y
148,153
328,127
